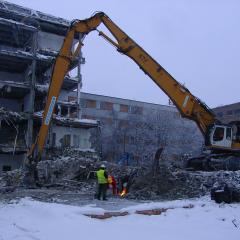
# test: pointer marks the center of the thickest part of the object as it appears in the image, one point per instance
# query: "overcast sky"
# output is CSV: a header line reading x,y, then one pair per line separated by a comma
x,y
197,42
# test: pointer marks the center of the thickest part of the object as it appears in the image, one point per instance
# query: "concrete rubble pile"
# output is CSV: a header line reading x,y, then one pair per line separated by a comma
x,y
4,114
73,170
10,180
173,183
67,165
69,170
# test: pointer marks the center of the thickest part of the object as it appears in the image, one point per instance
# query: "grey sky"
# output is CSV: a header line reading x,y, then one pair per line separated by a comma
x,y
196,41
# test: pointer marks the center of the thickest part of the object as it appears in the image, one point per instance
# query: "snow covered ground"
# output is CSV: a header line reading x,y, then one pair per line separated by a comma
x,y
29,219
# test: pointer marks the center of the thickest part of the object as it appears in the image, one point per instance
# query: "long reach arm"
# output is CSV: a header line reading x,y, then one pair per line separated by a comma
x,y
188,105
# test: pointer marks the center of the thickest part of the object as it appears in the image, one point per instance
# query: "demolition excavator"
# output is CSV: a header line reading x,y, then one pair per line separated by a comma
x,y
221,139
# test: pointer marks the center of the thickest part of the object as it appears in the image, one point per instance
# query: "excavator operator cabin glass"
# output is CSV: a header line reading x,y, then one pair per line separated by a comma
x,y
218,134
229,134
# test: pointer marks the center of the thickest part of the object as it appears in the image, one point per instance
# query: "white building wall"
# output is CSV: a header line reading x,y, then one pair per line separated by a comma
x,y
79,137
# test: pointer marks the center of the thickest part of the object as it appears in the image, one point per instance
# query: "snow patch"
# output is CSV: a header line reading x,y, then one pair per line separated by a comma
x,y
28,219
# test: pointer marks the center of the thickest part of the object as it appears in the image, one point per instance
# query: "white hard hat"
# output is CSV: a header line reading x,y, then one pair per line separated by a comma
x,y
102,166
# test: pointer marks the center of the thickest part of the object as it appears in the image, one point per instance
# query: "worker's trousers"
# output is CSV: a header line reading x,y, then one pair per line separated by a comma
x,y
102,191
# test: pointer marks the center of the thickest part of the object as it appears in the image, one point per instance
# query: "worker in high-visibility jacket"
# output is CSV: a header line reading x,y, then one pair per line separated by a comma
x,y
102,178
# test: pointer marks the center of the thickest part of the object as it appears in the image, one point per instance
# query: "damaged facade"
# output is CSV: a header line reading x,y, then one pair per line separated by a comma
x,y
29,43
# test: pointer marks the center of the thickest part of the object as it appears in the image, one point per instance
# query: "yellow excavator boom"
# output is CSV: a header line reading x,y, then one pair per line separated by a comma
x,y
188,105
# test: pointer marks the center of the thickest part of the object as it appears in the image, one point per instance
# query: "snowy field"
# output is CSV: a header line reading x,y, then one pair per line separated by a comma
x,y
29,219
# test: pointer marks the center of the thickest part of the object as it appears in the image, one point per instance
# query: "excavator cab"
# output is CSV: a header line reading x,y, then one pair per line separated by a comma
x,y
220,137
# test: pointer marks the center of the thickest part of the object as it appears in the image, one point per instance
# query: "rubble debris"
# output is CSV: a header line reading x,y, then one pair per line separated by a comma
x,y
147,212
7,189
71,170
225,193
4,114
68,120
11,178
189,206
152,211
173,183
236,223
107,215
43,88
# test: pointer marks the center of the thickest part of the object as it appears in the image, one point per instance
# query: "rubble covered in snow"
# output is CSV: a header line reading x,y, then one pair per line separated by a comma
x,y
173,183
68,120
72,170
5,114
27,12
75,166
76,120
43,88
19,24
10,180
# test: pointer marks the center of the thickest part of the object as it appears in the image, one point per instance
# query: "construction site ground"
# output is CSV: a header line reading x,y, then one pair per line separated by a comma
x,y
75,198
73,181
167,201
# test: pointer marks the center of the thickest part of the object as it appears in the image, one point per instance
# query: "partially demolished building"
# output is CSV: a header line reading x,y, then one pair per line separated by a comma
x,y
120,130
29,43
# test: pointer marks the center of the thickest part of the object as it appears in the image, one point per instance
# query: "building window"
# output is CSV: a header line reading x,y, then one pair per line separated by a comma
x,y
136,110
230,112
123,124
73,112
124,108
132,140
83,142
126,139
75,141
66,140
83,103
106,106
6,168
72,99
90,103
116,107
88,117
98,106
107,121
176,115
53,139
237,111
220,114
64,111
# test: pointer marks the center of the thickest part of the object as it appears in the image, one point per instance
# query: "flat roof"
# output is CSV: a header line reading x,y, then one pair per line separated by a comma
x,y
131,100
